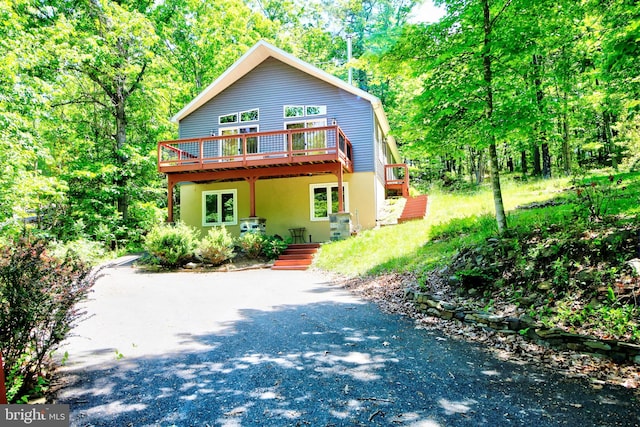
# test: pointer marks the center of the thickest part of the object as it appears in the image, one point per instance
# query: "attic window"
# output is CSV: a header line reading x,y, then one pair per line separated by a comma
x,y
229,118
304,110
249,116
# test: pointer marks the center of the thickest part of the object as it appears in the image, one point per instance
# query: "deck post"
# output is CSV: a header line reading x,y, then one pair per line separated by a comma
x,y
252,195
170,186
340,189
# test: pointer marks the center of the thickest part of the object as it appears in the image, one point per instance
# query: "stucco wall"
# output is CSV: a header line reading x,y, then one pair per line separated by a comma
x,y
285,203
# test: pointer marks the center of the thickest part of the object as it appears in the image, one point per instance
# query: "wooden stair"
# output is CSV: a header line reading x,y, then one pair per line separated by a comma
x,y
298,256
415,208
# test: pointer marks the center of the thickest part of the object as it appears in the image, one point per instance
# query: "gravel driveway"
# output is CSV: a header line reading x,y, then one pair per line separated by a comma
x,y
278,348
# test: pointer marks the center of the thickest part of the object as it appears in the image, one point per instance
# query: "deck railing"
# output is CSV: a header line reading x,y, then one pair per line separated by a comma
x,y
397,178
320,144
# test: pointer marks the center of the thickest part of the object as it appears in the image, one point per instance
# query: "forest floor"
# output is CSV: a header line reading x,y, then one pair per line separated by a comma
x,y
388,292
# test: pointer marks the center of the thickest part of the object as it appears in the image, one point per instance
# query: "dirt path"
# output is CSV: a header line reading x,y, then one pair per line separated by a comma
x,y
270,348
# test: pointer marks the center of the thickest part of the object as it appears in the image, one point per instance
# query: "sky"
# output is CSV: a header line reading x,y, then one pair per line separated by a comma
x,y
426,12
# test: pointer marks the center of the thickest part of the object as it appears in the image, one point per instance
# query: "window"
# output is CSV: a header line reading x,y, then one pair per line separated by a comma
x,y
229,118
304,110
219,207
242,116
324,200
233,146
249,116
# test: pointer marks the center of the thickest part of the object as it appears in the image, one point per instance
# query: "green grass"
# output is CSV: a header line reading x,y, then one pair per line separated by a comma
x,y
461,218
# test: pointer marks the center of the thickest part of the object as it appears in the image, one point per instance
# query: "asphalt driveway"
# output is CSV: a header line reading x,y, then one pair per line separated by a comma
x,y
273,348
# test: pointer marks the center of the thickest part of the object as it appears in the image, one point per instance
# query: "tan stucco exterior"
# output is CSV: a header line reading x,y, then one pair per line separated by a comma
x,y
285,203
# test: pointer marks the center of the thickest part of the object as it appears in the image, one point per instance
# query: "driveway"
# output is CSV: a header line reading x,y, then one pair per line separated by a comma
x,y
278,348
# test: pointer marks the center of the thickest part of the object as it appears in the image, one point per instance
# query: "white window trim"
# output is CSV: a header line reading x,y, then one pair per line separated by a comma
x,y
220,192
328,185
237,127
247,111
323,108
228,123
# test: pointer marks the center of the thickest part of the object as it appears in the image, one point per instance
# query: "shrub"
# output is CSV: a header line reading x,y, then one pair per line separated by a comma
x,y
273,246
251,244
217,246
38,296
172,245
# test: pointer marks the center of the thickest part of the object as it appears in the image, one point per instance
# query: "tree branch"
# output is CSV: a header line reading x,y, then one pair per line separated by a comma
x,y
495,18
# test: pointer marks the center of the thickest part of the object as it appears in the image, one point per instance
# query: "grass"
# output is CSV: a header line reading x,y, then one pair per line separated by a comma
x,y
566,249
410,247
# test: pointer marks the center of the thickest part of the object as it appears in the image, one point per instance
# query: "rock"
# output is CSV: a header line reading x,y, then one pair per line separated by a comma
x,y
637,359
448,305
635,265
409,294
549,333
513,323
472,292
433,312
454,281
447,314
432,304
470,318
544,286
574,346
459,315
191,265
597,345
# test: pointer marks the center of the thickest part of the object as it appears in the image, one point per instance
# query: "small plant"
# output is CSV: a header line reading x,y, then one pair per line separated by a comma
x,y
172,245
38,295
217,246
251,244
595,198
273,246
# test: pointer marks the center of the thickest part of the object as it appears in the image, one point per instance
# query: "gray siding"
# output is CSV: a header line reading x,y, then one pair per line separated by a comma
x,y
273,84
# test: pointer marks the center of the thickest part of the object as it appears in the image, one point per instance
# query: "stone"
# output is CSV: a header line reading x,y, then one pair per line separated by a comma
x,y
191,265
447,314
409,294
527,321
472,292
513,323
549,333
454,281
574,346
433,312
544,286
448,305
597,345
636,359
635,265
459,315
470,318
432,304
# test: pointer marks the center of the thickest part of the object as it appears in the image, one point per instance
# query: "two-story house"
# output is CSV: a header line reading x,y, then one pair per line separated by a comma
x,y
277,143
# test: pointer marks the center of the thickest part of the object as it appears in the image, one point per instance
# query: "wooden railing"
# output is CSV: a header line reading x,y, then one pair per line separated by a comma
x,y
396,177
321,144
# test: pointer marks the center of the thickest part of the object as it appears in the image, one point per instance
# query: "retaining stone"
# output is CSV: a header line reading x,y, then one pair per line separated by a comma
x,y
618,351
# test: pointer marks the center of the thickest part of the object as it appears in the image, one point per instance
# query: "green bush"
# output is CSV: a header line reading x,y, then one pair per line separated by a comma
x,y
38,295
171,245
217,246
273,246
251,244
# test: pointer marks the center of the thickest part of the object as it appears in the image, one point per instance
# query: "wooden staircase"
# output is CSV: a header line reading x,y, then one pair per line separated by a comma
x,y
297,256
415,208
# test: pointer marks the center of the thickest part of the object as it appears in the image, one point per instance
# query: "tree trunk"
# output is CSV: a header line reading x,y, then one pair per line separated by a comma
x,y
546,160
566,144
608,139
501,218
523,163
537,163
546,156
121,140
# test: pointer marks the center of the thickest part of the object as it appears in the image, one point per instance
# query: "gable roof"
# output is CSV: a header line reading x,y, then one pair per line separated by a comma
x,y
260,52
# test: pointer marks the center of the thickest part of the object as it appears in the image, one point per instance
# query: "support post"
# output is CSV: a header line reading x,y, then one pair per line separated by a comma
x,y
252,195
170,186
340,189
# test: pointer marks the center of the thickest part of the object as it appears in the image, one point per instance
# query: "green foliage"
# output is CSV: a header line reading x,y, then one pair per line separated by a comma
x,y
217,246
38,297
172,245
251,244
594,198
273,246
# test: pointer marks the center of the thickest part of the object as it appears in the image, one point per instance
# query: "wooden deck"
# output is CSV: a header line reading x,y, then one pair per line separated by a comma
x,y
257,150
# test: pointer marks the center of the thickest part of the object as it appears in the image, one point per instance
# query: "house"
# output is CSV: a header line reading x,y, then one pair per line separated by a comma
x,y
278,145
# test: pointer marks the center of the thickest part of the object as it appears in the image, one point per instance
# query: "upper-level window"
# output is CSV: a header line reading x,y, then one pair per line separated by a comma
x,y
242,117
304,110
